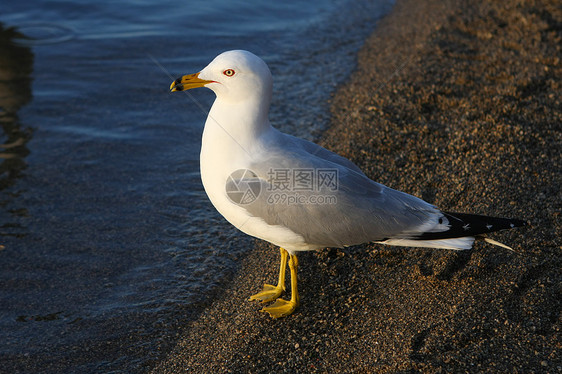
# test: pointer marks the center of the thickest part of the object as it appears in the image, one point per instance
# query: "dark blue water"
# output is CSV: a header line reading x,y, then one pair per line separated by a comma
x,y
110,244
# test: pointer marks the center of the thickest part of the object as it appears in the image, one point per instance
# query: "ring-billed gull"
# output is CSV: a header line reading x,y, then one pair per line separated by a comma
x,y
298,195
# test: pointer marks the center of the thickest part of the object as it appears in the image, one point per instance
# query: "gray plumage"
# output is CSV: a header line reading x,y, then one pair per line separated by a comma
x,y
355,210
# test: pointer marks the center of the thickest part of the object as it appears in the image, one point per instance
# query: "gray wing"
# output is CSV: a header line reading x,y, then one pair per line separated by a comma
x,y
314,149
326,199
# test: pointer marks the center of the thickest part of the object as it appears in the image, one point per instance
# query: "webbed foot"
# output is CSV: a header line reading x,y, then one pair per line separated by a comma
x,y
281,308
269,293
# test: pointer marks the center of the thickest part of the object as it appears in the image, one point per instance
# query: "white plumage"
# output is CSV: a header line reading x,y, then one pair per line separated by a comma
x,y
355,209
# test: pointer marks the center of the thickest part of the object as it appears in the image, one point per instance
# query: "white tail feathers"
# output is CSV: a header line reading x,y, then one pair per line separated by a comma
x,y
493,242
453,243
465,242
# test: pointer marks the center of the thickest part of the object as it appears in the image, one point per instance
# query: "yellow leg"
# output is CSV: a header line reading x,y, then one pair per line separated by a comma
x,y
269,292
282,308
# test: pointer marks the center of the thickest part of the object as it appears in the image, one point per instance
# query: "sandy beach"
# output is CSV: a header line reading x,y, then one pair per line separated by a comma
x,y
459,103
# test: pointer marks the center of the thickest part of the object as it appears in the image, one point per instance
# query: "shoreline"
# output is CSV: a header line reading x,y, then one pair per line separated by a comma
x,y
458,104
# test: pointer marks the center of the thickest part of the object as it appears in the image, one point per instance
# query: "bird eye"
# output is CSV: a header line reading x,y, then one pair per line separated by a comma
x,y
228,72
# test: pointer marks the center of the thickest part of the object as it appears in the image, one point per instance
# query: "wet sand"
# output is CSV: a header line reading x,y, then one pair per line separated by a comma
x,y
458,103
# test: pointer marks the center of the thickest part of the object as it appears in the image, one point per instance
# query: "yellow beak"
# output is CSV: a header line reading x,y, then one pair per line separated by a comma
x,y
187,82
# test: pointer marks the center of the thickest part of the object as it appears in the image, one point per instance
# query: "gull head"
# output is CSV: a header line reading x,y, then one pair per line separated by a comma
x,y
234,76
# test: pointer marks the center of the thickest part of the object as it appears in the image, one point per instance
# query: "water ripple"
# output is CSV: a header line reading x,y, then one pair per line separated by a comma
x,y
42,33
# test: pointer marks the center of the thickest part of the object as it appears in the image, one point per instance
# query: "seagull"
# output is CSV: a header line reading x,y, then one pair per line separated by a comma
x,y
298,195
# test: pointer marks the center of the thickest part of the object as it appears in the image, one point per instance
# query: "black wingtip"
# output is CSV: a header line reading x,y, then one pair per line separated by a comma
x,y
514,222
463,224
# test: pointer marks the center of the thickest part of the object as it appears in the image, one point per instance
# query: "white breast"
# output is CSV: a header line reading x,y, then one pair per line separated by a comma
x,y
221,155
